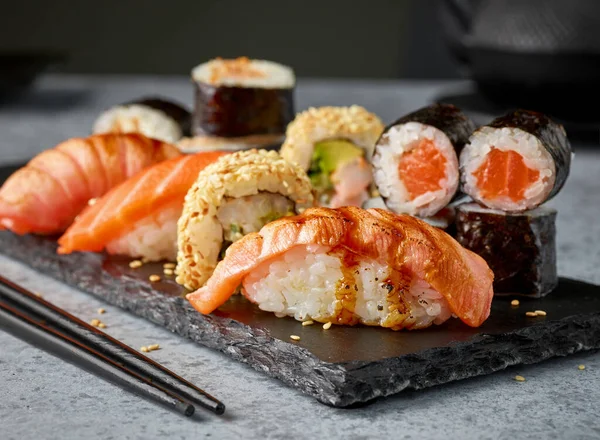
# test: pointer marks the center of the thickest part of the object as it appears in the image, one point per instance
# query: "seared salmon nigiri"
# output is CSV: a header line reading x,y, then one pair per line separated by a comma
x,y
46,195
139,217
354,266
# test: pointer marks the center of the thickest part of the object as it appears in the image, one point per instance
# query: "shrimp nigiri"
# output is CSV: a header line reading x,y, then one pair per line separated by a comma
x,y
46,195
139,217
354,266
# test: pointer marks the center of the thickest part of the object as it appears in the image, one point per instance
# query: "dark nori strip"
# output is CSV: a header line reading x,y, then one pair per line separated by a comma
x,y
519,248
552,136
177,112
445,117
237,111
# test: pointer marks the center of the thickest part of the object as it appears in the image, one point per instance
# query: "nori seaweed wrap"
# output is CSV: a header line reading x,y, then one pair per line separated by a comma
x,y
154,117
242,98
516,162
519,248
416,159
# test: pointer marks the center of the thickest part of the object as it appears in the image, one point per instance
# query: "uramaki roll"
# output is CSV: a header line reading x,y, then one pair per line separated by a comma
x,y
334,145
236,195
238,99
415,165
516,162
156,118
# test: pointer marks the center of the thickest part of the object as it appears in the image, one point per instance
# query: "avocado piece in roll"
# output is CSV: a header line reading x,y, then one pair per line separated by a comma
x,y
334,145
236,195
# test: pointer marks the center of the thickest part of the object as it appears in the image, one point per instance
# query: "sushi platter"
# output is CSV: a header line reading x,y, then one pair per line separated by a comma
x,y
348,258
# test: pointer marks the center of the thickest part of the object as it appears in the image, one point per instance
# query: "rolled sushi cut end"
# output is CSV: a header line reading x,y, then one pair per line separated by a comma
x,y
520,248
517,162
153,117
415,169
507,169
236,98
236,195
334,146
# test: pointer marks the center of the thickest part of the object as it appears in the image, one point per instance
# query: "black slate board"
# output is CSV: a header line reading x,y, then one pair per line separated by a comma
x,y
343,366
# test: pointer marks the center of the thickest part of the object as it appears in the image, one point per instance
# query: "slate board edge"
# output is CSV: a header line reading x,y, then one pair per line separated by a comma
x,y
338,385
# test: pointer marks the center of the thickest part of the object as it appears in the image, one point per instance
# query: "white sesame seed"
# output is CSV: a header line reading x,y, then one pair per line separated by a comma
x,y
514,302
540,313
135,264
327,326
101,311
154,278
295,337
144,349
531,314
305,323
519,378
581,367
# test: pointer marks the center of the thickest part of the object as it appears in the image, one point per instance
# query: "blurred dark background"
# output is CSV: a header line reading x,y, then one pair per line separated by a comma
x,y
327,38
538,54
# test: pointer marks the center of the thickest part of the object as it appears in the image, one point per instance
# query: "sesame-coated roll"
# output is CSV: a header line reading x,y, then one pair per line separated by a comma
x,y
415,164
240,104
153,117
236,195
516,162
520,248
334,145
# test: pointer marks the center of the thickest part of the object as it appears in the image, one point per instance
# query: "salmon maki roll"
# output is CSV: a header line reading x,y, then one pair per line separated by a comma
x,y
334,146
46,195
354,266
139,217
516,162
236,195
415,165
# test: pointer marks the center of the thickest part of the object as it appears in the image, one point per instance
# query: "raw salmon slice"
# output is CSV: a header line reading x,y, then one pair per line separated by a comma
x,y
150,192
46,195
504,174
422,169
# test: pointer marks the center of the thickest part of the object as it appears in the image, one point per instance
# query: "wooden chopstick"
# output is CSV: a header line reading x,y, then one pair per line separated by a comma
x,y
36,332
108,346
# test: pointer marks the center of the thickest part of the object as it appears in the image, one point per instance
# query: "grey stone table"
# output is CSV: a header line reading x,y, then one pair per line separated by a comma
x,y
41,397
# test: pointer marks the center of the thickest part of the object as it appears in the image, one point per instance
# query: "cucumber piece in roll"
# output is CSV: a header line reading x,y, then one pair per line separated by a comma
x,y
334,145
415,164
236,195
516,162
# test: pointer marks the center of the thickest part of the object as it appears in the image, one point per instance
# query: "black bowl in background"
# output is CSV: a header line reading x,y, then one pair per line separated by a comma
x,y
18,70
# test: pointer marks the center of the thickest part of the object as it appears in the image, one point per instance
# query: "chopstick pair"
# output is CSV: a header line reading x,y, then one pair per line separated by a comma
x,y
41,323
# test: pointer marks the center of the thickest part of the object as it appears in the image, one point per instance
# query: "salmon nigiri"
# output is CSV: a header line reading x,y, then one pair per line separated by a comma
x,y
46,195
139,217
354,266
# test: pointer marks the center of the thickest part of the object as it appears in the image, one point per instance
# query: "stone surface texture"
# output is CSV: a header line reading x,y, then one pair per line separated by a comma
x,y
43,397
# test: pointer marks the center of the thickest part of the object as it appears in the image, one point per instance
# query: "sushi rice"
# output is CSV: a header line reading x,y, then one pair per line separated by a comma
x,y
399,140
309,282
232,197
143,119
535,156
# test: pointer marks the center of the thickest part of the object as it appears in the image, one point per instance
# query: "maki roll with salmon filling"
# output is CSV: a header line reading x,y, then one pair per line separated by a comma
x,y
517,162
155,118
352,266
415,165
334,145
240,103
520,248
236,195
